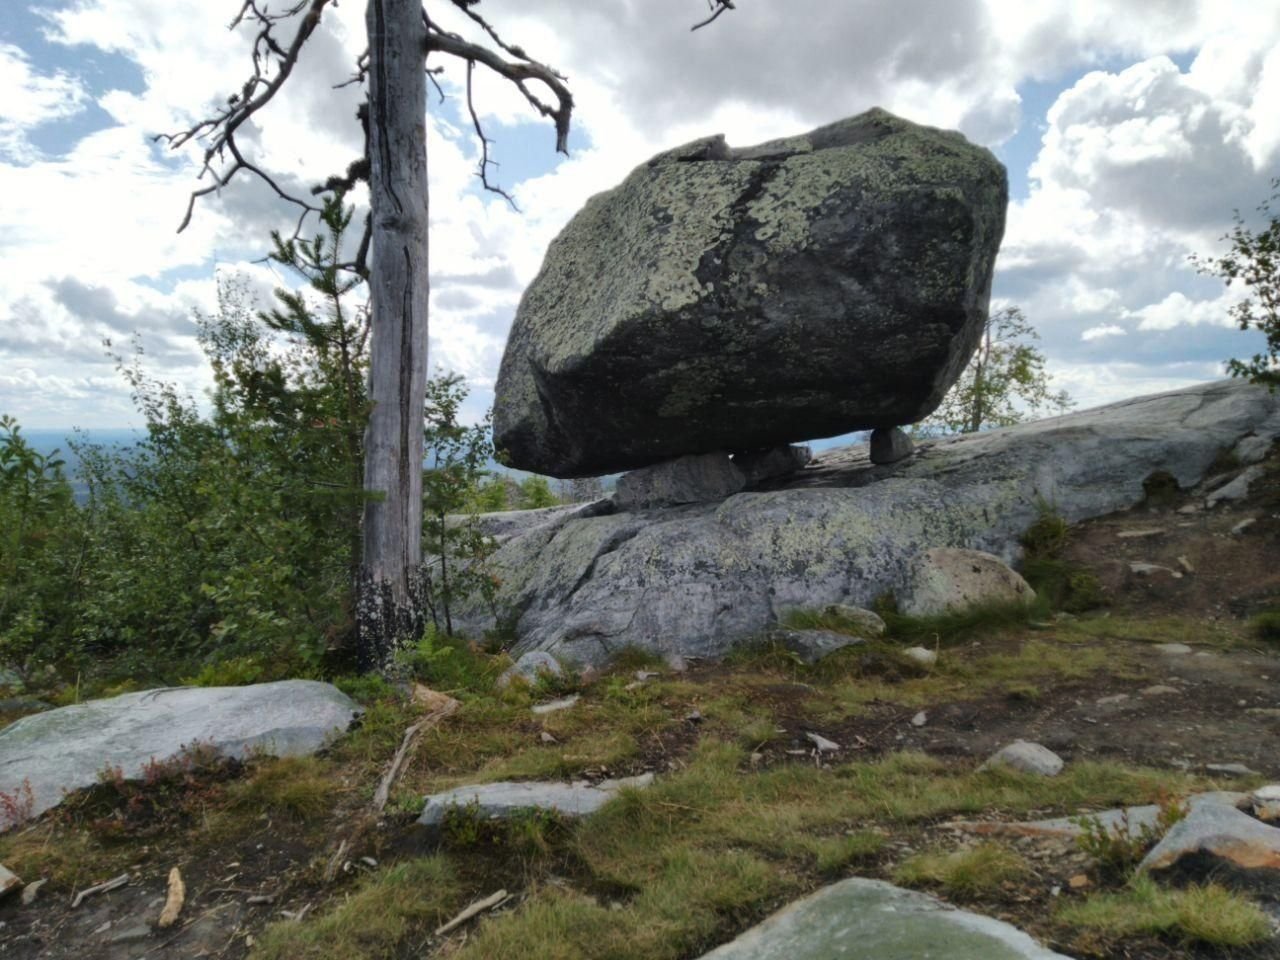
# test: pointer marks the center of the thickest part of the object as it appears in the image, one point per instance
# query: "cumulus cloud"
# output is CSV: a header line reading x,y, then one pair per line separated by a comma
x,y
29,98
1167,119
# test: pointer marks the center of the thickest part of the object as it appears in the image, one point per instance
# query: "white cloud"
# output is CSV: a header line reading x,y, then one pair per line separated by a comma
x,y
1140,163
1103,330
29,98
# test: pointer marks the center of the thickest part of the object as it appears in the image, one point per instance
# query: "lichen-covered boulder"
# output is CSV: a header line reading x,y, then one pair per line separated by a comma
x,y
733,299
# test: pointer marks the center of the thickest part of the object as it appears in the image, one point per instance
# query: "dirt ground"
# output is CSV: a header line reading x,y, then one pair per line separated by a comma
x,y
1166,562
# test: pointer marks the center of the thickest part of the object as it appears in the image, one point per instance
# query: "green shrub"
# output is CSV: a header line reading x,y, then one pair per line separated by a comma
x,y
1266,626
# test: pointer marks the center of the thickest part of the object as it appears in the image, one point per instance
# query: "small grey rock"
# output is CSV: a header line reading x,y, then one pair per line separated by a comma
x,y
1252,449
1243,525
9,881
697,478
920,719
529,667
1026,757
949,579
1231,769
1237,489
890,445
1173,649
863,622
810,646
500,801
921,655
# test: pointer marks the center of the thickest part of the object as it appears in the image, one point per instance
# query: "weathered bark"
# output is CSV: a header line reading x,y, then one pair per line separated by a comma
x,y
389,602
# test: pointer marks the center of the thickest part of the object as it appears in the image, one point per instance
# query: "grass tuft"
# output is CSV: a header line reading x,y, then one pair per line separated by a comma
x,y
968,873
1200,914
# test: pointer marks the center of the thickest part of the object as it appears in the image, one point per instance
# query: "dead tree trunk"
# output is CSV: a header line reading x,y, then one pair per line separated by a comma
x,y
388,606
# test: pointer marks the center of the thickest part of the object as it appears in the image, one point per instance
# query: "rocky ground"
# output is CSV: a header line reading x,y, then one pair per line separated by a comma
x,y
1162,691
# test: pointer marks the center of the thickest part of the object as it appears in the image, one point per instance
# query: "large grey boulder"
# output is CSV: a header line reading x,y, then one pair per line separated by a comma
x,y
860,918
699,579
731,299
67,749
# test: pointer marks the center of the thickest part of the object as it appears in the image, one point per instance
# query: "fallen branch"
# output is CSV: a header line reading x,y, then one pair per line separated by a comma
x,y
173,901
335,863
383,793
114,884
480,906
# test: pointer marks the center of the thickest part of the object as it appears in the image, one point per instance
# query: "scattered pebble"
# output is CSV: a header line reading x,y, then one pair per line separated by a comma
x,y
920,719
1185,564
1243,525
1078,882
1159,690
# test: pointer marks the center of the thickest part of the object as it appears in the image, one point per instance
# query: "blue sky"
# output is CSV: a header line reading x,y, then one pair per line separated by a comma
x,y
1131,130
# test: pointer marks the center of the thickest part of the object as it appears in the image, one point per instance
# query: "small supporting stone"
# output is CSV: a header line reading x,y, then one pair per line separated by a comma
x,y
889,445
761,465
697,478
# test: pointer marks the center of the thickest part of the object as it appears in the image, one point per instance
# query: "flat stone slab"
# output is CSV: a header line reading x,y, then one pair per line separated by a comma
x,y
1219,841
64,750
863,919
1133,820
500,801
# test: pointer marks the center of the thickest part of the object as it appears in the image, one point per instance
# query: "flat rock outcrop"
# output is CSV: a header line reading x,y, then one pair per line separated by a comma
x,y
698,579
871,918
734,299
59,751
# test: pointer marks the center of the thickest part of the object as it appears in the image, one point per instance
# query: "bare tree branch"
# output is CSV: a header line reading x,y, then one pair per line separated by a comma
x,y
719,6
485,162
519,72
255,94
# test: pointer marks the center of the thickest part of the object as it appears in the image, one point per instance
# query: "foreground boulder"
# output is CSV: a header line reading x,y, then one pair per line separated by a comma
x,y
699,579
734,299
44,756
871,918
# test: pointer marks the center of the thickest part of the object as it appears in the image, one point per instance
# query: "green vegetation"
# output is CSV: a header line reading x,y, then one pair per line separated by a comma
x,y
1004,383
1253,261
1198,914
1120,847
223,547
966,873
1266,626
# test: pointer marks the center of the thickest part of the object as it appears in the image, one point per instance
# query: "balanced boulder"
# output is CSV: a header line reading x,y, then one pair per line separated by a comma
x,y
736,299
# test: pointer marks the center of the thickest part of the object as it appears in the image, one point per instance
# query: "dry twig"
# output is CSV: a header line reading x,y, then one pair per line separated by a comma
x,y
480,906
